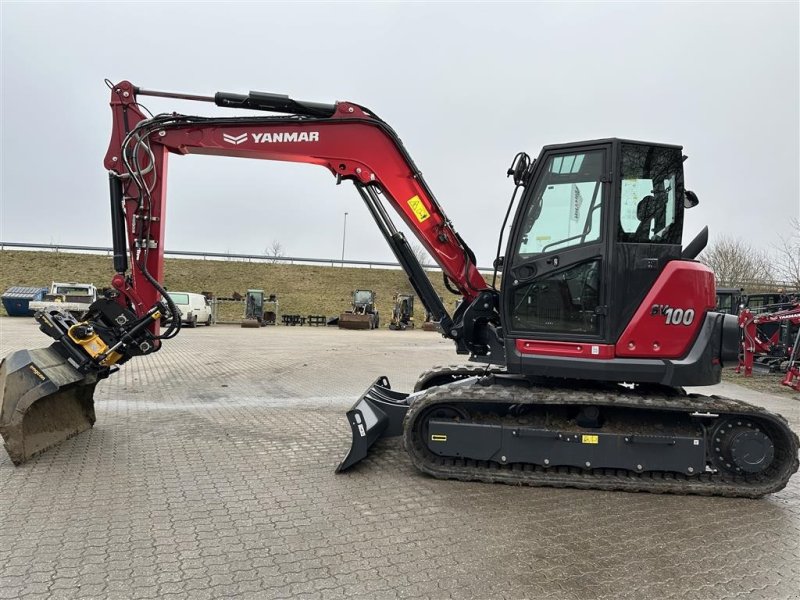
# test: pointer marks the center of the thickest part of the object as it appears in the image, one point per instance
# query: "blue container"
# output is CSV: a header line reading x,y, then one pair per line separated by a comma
x,y
16,300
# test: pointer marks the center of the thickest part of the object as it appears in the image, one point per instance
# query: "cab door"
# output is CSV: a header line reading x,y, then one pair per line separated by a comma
x,y
554,284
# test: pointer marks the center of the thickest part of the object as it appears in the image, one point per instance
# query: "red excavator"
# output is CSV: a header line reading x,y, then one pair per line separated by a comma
x,y
578,358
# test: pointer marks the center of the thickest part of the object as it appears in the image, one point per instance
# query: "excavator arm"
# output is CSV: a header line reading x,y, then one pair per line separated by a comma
x,y
48,393
347,139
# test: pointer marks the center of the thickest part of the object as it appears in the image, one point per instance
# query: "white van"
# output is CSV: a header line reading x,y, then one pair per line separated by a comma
x,y
194,308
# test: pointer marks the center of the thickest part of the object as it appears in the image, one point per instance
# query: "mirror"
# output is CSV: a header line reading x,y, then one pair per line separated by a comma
x,y
690,199
519,167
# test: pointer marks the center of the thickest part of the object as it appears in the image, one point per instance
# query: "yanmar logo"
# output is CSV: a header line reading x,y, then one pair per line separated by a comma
x,y
235,139
272,138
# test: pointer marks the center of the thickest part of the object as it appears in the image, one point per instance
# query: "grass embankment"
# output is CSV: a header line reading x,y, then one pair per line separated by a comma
x,y
301,289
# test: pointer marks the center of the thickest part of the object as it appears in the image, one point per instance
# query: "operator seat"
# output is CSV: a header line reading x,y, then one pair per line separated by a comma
x,y
651,212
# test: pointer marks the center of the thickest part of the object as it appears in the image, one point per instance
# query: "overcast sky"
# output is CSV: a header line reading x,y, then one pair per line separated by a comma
x,y
466,86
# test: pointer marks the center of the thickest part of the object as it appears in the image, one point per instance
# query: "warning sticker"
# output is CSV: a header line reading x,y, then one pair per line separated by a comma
x,y
419,209
589,439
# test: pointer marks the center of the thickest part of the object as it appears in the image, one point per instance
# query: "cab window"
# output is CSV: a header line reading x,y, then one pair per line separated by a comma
x,y
652,184
565,209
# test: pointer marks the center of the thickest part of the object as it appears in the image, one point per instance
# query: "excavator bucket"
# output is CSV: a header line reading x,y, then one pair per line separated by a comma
x,y
45,401
251,323
379,413
355,321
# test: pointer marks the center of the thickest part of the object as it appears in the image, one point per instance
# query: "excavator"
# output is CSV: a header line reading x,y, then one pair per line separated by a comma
x,y
402,312
578,358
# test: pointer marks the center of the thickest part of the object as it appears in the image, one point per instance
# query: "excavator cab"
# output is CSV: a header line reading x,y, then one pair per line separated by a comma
x,y
597,231
592,231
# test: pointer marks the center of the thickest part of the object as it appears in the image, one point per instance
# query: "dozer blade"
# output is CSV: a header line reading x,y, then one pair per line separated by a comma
x,y
353,321
251,323
378,413
45,401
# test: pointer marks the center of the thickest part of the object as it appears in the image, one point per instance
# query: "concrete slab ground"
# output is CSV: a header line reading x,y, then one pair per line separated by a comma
x,y
209,474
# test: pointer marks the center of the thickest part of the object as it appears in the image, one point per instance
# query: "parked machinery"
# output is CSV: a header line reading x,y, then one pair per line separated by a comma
x,y
768,337
402,312
730,300
362,314
271,316
254,309
597,291
792,378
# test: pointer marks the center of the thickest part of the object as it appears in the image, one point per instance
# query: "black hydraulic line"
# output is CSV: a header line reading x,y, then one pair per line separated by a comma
x,y
405,256
376,215
178,95
274,103
254,100
387,220
118,224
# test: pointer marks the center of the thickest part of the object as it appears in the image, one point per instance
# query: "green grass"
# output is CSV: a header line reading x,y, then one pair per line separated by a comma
x,y
301,289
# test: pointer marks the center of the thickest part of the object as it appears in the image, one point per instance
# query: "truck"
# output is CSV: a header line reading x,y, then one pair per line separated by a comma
x,y
74,298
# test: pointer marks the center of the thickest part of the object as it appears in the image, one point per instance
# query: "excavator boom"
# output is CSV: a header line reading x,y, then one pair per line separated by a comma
x,y
47,394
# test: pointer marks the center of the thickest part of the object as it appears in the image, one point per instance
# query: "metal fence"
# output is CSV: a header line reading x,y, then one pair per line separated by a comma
x,y
221,256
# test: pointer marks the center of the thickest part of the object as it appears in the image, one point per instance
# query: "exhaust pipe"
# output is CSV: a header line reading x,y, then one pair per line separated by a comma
x,y
45,401
379,413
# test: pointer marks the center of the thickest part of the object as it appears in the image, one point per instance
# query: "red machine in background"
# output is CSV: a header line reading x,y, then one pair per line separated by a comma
x,y
769,336
598,290
792,378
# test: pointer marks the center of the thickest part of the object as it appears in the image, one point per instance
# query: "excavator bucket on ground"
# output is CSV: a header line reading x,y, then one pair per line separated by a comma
x,y
45,401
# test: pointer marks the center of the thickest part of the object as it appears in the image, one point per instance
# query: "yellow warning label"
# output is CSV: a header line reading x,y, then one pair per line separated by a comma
x,y
419,209
589,439
437,437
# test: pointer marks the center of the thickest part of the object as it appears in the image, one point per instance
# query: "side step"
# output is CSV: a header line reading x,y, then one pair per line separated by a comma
x,y
377,414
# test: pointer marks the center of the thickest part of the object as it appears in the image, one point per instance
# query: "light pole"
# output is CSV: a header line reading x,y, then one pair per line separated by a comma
x,y
344,237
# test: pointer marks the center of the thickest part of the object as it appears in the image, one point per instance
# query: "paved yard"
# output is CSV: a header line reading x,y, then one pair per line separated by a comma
x,y
209,474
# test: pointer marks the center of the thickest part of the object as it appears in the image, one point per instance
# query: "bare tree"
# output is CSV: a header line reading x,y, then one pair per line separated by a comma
x,y
737,264
787,256
420,253
274,251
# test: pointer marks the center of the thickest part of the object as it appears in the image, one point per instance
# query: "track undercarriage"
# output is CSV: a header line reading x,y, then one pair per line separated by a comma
x,y
495,428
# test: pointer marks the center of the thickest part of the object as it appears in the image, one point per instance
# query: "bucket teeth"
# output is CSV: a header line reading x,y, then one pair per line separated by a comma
x,y
45,401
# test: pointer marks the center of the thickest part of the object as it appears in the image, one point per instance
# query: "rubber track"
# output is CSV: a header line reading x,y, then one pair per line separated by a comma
x,y
784,464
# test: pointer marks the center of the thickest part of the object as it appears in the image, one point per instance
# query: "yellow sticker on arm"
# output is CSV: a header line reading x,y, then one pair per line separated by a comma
x,y
419,209
590,439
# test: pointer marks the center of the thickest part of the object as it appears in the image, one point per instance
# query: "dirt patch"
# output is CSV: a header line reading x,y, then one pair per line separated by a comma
x,y
769,383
